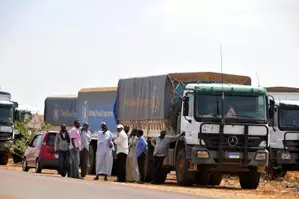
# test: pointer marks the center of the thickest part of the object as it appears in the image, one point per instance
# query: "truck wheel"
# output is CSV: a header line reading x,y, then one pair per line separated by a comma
x,y
4,159
92,160
38,168
215,179
250,180
202,178
25,165
183,176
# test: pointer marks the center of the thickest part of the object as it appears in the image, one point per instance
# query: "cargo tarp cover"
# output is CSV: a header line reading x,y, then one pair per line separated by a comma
x,y
282,89
96,106
60,110
153,97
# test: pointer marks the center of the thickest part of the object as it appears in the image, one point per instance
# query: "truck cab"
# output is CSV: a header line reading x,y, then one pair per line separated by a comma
x,y
226,132
284,140
6,129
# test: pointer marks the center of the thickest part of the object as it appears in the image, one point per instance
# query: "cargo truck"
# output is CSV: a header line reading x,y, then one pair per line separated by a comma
x,y
60,110
225,124
7,108
96,105
284,131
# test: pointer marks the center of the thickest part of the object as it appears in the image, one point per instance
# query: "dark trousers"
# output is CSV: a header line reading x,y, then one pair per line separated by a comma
x,y
84,161
64,163
158,163
141,161
121,164
75,160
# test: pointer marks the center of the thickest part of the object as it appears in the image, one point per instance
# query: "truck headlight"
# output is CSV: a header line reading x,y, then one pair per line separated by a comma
x,y
203,154
6,129
286,156
260,156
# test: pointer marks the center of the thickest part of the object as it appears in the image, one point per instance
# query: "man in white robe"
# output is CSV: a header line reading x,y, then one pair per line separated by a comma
x,y
104,158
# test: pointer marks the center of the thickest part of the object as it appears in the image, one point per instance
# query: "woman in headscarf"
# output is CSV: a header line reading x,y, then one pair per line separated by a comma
x,y
62,144
132,171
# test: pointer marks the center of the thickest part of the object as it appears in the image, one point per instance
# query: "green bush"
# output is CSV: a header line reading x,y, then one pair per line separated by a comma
x,y
24,135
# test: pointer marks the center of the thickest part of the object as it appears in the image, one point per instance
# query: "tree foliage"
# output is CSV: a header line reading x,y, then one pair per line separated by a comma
x,y
23,135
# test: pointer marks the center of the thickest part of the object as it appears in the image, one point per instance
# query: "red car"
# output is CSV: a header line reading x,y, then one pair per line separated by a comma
x,y
40,153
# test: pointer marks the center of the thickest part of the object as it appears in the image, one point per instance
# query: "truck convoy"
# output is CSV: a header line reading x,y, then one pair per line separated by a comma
x,y
225,125
284,131
223,119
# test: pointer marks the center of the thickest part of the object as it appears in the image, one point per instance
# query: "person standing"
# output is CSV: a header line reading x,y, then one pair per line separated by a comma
x,y
104,158
132,171
127,129
84,153
62,144
161,145
141,151
75,148
122,150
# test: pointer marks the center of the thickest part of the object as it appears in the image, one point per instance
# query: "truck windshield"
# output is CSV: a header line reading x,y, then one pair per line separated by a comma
x,y
235,107
6,115
289,118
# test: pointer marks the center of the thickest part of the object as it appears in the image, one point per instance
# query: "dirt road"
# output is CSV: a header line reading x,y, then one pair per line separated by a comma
x,y
19,185
229,188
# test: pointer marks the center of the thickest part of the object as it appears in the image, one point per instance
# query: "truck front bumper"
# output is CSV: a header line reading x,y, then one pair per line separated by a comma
x,y
202,156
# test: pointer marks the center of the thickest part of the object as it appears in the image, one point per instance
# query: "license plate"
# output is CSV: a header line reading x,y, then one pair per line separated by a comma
x,y
233,155
56,156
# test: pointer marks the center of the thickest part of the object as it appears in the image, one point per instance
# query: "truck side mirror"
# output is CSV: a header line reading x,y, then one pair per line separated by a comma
x,y
271,110
186,106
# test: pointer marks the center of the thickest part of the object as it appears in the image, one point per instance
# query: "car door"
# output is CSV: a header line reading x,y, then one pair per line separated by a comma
x,y
37,147
30,151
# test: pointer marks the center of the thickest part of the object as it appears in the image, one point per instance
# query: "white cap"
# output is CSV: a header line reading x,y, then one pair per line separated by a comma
x,y
120,126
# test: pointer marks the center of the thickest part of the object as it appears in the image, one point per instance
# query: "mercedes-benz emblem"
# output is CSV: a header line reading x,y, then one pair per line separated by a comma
x,y
233,141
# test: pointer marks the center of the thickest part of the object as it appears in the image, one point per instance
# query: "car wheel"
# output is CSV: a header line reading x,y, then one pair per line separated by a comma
x,y
25,165
38,168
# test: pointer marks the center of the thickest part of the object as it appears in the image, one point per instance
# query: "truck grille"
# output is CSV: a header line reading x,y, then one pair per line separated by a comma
x,y
212,141
291,145
5,136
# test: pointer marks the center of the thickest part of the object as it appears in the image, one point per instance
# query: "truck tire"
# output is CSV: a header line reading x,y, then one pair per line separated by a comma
x,y
215,179
202,178
250,180
183,176
92,160
4,159
38,168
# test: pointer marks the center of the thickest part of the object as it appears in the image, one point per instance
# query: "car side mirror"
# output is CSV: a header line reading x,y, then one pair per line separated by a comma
x,y
186,106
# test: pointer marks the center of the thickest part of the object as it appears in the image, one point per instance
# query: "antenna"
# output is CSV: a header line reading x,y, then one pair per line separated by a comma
x,y
258,80
222,77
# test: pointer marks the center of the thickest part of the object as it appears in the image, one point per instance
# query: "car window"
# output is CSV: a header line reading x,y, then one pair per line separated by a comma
x,y
51,139
38,140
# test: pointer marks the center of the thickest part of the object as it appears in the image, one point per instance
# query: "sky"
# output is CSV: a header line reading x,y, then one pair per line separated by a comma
x,y
53,47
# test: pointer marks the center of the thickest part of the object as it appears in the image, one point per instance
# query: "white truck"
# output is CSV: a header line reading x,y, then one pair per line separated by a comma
x,y
7,108
225,126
